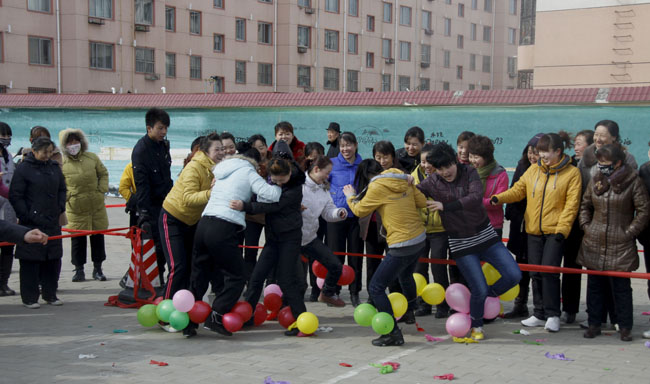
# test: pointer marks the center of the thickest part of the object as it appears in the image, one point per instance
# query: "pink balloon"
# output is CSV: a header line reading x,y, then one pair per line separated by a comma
x,y
183,300
457,296
458,324
272,288
491,308
320,282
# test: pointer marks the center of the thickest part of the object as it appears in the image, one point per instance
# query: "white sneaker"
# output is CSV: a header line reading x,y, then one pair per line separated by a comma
x,y
32,305
533,322
168,328
56,302
552,324
646,335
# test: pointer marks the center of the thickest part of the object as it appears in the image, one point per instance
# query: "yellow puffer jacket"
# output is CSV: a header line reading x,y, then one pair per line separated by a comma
x,y
553,197
431,219
397,203
127,182
191,191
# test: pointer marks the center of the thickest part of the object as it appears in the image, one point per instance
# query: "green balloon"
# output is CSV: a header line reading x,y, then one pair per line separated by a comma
x,y
383,323
164,310
179,320
147,315
363,314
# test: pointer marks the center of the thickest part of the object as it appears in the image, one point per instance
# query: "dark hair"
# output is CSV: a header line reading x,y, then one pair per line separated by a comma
x,y
426,148
554,141
442,155
225,135
482,146
320,161
350,138
384,147
196,142
279,167
285,126
588,134
366,170
206,141
416,132
246,149
611,152
464,136
255,137
612,128
71,136
155,115
314,146
5,129
38,131
41,142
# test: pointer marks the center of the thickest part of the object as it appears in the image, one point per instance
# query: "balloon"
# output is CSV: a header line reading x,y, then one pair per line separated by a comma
x,y
260,314
319,269
199,312
491,308
179,320
243,309
307,323
383,323
232,322
158,299
420,283
347,275
273,302
457,297
399,304
285,317
147,315
272,288
511,294
273,315
183,300
458,324
364,313
491,274
164,310
433,294
319,282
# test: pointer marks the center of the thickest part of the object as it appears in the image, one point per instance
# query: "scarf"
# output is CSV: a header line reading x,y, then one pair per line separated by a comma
x,y
485,171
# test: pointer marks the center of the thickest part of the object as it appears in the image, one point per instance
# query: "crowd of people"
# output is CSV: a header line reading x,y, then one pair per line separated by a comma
x,y
421,200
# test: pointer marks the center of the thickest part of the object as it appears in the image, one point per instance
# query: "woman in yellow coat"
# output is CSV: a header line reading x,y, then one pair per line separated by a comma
x,y
87,181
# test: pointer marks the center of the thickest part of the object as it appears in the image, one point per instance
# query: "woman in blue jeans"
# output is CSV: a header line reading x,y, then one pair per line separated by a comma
x,y
458,196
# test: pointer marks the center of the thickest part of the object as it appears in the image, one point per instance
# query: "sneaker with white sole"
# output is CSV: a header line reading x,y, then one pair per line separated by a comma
x,y
533,322
32,305
56,302
552,324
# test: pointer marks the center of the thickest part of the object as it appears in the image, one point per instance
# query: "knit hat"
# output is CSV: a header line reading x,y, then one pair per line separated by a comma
x,y
334,127
281,149
533,142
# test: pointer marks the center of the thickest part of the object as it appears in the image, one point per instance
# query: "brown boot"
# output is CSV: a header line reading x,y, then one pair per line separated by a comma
x,y
591,332
626,334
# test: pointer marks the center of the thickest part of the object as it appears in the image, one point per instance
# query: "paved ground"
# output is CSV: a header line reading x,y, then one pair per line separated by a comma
x,y
43,346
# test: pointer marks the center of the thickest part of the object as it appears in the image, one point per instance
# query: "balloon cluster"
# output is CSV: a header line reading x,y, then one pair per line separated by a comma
x,y
366,314
177,312
347,274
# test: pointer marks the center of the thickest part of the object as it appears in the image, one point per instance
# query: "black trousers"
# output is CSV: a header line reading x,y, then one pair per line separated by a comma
x,y
375,245
597,288
78,250
545,250
252,235
571,281
343,236
178,242
316,250
33,273
6,262
217,251
644,239
437,247
155,235
320,235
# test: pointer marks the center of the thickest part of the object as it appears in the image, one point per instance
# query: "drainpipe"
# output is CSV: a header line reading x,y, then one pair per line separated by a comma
x,y
275,46
317,46
395,45
58,48
494,33
345,44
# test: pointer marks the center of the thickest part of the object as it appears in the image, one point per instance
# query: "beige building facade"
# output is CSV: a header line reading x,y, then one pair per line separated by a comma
x,y
154,46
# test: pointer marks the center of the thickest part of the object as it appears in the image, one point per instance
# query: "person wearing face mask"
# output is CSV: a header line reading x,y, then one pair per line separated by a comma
x,y
613,212
87,182
7,212
552,191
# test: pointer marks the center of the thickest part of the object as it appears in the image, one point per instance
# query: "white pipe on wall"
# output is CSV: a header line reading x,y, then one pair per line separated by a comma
x,y
58,47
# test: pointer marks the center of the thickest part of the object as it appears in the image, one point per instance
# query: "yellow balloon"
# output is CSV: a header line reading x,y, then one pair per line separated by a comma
x,y
491,274
433,294
399,304
420,283
307,323
511,294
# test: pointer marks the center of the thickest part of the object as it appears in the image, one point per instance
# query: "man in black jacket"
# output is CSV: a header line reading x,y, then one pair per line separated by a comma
x,y
152,173
14,233
333,133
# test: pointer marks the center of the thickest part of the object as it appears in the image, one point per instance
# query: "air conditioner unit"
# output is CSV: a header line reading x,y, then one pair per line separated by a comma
x,y
390,61
428,32
310,11
152,76
95,20
308,89
425,65
142,27
302,49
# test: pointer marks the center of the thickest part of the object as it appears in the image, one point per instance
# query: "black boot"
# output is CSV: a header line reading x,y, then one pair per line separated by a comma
x,y
442,311
354,298
394,338
98,274
408,317
79,275
6,291
423,309
214,323
190,330
6,261
519,310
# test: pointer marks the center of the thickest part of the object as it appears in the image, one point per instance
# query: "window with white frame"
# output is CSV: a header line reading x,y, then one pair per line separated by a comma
x,y
101,56
331,79
370,60
472,32
425,53
195,67
405,15
40,51
40,5
447,26
487,64
331,40
304,76
425,84
386,51
512,65
195,23
426,20
353,43
404,83
170,64
385,83
472,62
405,50
353,81
264,74
219,42
512,36
353,8
388,13
487,33
303,36
332,6
100,8
170,19
240,29
240,72
144,12
446,58
264,32
144,60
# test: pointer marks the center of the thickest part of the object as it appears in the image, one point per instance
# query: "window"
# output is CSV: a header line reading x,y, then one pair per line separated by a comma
x,y
388,13
218,44
332,6
487,64
460,42
195,23
487,5
448,2
353,8
425,55
472,62
170,64
2,50
527,26
40,51
101,56
525,80
461,10
370,23
447,26
367,90
264,32
219,86
144,12
485,87
266,1
385,83
304,38
426,20
512,7
446,58
445,85
386,51
331,79
512,36
370,60
404,83
240,72
425,84
474,4
304,76
459,72
405,16
353,43
170,19
472,87
39,5
353,81
331,40
472,32
218,3
512,66
304,3
100,8
487,33
405,50
264,74
240,29
144,60
3,89
40,90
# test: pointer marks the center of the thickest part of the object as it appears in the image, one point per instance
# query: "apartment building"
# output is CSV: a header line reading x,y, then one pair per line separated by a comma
x,y
153,46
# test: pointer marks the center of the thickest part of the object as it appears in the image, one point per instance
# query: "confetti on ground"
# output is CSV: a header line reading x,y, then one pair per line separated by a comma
x,y
521,332
90,326
557,356
387,367
466,340
646,313
531,342
434,339
447,376
91,356
120,331
607,369
158,363
325,329
268,380
541,340
345,365
420,329
647,344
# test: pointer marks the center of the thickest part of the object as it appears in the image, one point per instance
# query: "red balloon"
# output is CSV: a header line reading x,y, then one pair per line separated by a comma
x,y
232,322
199,312
319,269
273,302
260,314
243,309
158,299
272,316
285,317
347,275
